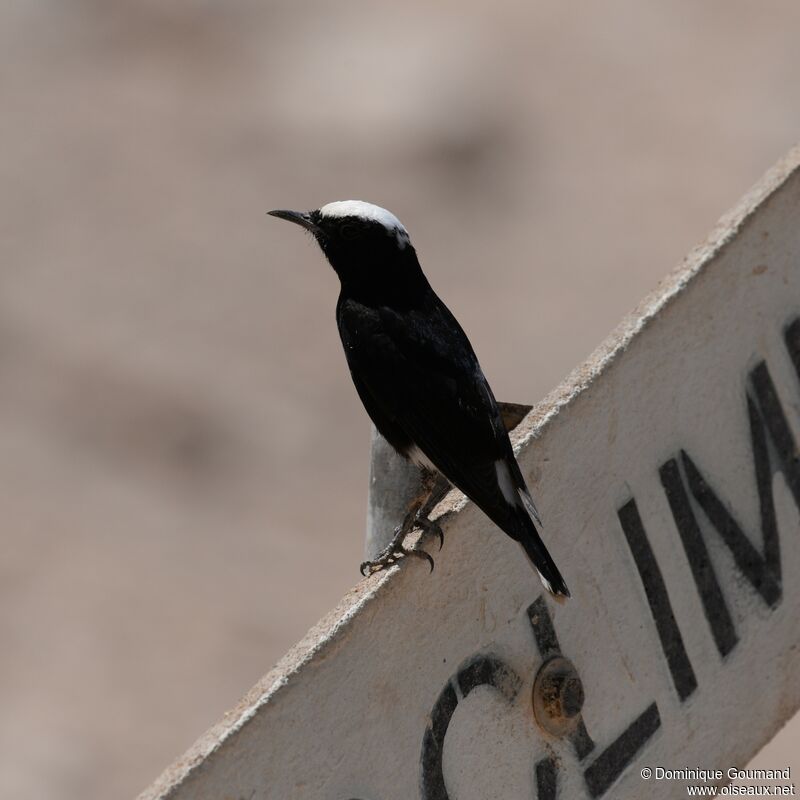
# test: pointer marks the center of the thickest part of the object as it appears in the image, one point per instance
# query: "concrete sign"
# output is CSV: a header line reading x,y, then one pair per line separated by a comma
x,y
667,473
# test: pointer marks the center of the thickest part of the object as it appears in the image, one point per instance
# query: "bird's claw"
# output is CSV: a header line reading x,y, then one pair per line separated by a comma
x,y
396,551
390,557
430,526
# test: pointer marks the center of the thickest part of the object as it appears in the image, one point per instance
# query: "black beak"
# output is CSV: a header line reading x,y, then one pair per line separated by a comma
x,y
301,218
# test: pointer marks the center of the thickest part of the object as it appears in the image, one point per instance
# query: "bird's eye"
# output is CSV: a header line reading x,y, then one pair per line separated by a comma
x,y
349,230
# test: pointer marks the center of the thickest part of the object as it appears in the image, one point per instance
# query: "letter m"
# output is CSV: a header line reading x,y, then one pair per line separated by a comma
x,y
774,449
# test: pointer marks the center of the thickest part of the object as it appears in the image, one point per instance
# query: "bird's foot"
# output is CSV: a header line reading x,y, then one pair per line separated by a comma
x,y
395,550
389,557
427,525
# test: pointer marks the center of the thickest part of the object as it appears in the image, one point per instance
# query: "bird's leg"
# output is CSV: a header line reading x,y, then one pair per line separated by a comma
x,y
432,491
435,486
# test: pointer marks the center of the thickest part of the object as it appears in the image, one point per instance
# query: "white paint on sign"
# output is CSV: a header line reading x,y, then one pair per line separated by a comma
x,y
667,469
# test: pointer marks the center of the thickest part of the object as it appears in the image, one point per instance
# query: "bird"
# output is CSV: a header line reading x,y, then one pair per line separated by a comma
x,y
419,379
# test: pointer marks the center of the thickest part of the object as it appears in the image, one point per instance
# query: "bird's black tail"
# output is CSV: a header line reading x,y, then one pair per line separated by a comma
x,y
534,547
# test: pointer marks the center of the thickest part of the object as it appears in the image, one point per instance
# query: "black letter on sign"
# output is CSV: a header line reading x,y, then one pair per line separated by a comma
x,y
696,552
611,763
547,643
608,766
546,779
658,598
762,569
485,670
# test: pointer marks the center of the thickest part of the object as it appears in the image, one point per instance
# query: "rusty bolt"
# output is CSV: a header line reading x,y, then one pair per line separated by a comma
x,y
557,696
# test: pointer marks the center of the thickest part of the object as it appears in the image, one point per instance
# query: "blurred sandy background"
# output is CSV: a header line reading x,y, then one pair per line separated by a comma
x,y
184,460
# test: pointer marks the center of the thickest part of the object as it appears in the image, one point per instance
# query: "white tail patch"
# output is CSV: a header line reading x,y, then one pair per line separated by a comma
x,y
506,482
515,495
546,583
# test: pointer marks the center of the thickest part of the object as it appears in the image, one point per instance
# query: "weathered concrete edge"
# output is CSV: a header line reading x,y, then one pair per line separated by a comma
x,y
668,290
334,625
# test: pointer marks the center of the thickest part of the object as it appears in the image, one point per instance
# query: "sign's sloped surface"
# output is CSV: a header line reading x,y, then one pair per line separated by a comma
x,y
667,473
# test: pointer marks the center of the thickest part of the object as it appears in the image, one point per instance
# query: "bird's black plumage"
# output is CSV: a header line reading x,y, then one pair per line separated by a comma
x,y
416,372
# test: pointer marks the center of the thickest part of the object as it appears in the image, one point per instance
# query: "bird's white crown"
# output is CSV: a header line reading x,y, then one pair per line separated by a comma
x,y
369,212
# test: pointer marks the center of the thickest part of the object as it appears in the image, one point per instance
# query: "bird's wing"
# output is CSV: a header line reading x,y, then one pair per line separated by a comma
x,y
416,371
419,372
